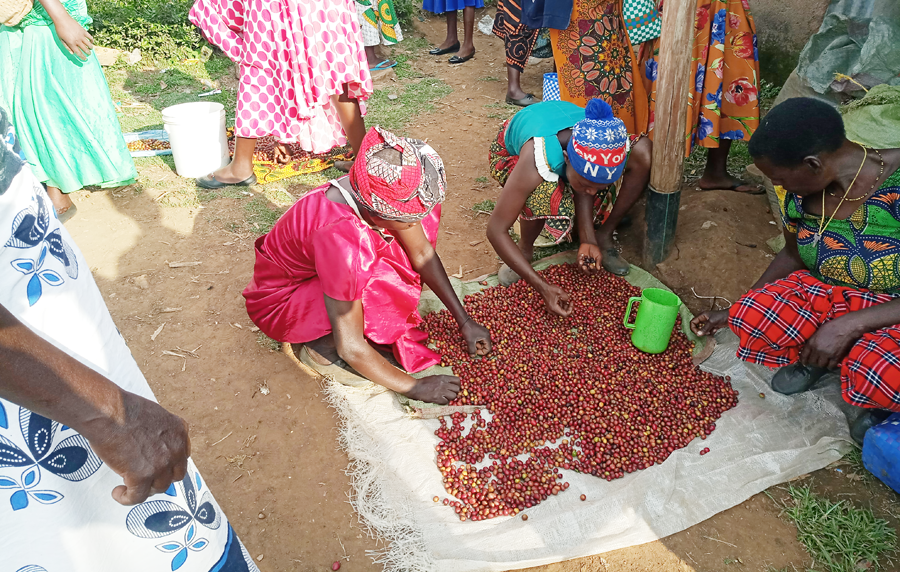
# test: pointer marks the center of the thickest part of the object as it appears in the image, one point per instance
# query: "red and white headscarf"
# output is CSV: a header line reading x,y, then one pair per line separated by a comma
x,y
405,192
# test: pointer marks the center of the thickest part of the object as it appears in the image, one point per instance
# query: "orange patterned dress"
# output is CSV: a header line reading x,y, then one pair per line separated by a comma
x,y
724,94
594,58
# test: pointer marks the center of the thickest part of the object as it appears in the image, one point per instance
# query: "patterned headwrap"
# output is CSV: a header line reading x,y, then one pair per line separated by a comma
x,y
599,144
406,192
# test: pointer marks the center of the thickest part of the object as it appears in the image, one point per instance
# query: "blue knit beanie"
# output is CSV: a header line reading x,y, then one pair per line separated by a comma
x,y
599,144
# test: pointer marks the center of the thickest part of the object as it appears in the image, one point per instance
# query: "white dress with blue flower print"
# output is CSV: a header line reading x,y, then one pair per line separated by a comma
x,y
56,509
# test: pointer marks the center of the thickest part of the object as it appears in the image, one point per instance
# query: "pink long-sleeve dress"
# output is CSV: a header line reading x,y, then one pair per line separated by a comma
x,y
321,247
294,56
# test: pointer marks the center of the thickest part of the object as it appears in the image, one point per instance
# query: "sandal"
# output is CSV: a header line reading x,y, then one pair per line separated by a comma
x,y
383,66
211,182
459,60
440,52
529,99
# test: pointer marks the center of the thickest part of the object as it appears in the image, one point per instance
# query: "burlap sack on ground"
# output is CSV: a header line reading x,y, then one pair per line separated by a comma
x,y
760,443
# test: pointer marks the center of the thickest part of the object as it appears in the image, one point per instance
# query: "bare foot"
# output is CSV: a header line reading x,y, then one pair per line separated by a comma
x,y
728,183
323,351
61,201
231,174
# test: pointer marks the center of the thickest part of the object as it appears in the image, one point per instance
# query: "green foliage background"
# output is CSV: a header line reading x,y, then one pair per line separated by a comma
x,y
159,28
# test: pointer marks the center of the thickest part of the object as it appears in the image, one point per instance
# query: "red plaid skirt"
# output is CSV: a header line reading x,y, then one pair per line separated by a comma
x,y
774,322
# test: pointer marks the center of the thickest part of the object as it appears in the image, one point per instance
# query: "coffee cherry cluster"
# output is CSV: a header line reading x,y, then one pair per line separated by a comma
x,y
148,145
563,393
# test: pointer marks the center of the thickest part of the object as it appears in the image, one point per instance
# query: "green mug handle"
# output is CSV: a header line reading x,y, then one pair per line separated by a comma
x,y
631,301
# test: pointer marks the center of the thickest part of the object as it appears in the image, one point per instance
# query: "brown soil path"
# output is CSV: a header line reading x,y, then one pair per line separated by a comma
x,y
271,457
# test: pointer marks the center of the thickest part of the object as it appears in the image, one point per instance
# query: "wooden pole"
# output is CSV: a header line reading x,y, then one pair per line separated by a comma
x,y
674,86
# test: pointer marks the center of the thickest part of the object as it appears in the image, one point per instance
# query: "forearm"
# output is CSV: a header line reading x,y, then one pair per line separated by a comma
x,y
584,218
372,365
510,253
874,318
55,10
42,378
431,269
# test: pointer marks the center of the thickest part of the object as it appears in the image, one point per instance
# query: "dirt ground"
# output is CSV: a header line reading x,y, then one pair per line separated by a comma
x,y
262,435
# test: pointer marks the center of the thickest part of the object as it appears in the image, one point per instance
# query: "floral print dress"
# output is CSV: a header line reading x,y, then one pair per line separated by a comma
x,y
594,58
724,95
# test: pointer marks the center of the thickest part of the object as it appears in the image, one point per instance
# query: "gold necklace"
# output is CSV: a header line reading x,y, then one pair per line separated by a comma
x,y
877,179
824,225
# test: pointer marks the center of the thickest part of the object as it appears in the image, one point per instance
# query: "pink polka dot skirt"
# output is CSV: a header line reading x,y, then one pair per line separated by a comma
x,y
294,56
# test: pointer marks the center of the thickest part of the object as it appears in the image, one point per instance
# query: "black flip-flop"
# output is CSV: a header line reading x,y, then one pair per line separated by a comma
x,y
529,99
441,52
459,60
210,182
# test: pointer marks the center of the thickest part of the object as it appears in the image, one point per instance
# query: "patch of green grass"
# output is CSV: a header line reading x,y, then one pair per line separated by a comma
x,y
738,159
142,94
486,205
260,216
159,28
482,180
302,183
416,99
279,197
207,195
500,110
768,91
266,342
838,536
489,78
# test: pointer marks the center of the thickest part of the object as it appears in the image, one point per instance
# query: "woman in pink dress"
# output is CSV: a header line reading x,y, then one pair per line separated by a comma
x,y
304,76
341,272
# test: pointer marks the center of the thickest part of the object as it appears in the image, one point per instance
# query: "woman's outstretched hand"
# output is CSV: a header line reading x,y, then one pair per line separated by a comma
x,y
478,338
708,323
439,389
589,257
557,300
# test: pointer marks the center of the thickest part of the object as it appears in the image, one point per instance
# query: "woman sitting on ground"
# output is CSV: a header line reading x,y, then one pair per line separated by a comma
x,y
340,272
829,299
560,164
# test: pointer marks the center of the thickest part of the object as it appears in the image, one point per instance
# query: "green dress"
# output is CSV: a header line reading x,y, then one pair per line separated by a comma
x,y
862,251
60,106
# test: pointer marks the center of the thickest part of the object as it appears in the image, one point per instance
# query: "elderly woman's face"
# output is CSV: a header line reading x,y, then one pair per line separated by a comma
x,y
807,178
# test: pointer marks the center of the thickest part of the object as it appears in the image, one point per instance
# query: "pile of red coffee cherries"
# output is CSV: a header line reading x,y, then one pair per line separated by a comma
x,y
563,393
148,145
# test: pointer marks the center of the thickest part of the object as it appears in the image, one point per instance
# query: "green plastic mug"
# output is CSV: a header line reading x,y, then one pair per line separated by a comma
x,y
655,319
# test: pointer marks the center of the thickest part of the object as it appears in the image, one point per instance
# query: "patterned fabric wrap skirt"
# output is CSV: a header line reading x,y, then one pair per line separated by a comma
x,y
724,90
378,22
775,321
552,201
518,39
594,58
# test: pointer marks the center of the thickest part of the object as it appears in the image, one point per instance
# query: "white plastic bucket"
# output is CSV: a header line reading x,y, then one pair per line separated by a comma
x,y
197,136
